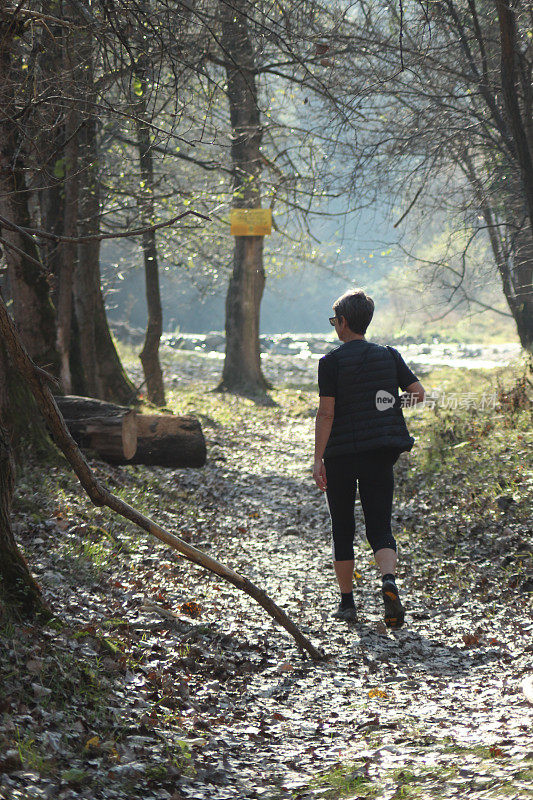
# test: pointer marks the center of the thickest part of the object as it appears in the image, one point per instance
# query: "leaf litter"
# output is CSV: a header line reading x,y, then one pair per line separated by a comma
x,y
158,680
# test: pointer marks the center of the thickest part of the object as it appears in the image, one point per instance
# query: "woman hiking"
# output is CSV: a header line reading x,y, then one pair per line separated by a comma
x,y
360,432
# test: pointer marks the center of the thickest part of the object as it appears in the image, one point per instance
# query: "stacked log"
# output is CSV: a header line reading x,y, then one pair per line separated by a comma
x,y
119,435
166,440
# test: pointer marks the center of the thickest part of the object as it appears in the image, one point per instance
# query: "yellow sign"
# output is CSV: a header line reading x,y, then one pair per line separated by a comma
x,y
250,221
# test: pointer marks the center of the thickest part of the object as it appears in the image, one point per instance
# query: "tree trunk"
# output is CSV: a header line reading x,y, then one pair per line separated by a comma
x,y
522,282
49,135
18,590
104,375
88,253
512,249
54,130
52,209
32,307
67,260
150,352
242,364
99,371
19,593
515,118
74,407
113,383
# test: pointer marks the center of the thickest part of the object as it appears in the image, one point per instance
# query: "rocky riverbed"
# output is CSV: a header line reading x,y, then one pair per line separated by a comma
x,y
310,347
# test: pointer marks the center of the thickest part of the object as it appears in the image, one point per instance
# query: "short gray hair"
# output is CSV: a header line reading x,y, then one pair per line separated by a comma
x,y
357,308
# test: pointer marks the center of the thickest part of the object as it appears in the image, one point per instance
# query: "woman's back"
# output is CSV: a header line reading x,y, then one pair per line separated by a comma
x,y
364,378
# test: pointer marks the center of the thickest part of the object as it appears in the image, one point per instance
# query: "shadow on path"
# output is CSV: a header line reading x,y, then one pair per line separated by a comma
x,y
408,648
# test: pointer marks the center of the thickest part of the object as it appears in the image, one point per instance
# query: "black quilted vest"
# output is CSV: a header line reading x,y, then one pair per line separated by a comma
x,y
363,370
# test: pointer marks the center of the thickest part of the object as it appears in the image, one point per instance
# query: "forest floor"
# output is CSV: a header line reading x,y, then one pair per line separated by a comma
x,y
118,698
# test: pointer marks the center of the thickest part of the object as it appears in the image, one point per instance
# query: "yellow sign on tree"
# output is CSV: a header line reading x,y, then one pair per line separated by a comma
x,y
250,221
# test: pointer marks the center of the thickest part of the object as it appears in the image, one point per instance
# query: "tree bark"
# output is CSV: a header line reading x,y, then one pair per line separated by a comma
x,y
242,364
512,247
114,385
166,440
54,127
98,370
521,276
103,374
74,407
86,274
67,260
19,592
49,134
32,306
150,353
509,56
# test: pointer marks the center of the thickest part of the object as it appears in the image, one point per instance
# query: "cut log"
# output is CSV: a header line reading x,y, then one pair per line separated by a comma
x,y
74,407
113,438
163,440
169,441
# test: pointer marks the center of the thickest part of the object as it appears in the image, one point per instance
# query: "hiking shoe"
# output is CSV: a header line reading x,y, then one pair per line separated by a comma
x,y
394,611
348,614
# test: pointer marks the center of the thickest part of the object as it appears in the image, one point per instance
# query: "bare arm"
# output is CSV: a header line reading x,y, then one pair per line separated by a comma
x,y
415,393
323,423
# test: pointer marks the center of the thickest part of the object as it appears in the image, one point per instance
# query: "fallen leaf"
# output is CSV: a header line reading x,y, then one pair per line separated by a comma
x,y
191,608
377,693
470,640
285,666
92,743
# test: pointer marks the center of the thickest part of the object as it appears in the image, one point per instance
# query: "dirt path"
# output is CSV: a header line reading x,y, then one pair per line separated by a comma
x,y
118,701
434,708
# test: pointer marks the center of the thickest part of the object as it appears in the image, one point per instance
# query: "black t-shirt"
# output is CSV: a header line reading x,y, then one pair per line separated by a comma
x,y
327,374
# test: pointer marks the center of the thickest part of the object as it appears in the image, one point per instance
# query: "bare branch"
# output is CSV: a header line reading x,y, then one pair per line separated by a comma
x,y
100,237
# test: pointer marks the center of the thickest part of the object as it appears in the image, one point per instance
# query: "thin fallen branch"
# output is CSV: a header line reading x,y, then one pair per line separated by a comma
x,y
101,496
30,232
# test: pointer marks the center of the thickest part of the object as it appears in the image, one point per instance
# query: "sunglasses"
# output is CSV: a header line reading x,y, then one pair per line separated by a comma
x,y
333,320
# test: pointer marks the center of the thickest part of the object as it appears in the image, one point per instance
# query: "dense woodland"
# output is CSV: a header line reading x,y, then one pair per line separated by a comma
x,y
146,122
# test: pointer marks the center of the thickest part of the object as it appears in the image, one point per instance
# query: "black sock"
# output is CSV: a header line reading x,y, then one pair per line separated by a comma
x,y
389,577
347,600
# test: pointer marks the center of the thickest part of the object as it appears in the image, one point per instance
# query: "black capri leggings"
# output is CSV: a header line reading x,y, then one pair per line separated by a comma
x,y
374,472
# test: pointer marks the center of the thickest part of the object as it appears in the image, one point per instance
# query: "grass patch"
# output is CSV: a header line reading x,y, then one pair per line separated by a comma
x,y
345,780
350,781
471,457
31,756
